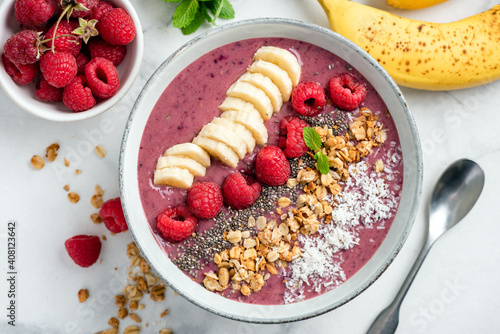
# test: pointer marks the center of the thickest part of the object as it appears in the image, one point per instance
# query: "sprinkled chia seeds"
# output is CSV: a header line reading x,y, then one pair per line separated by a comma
x,y
337,121
194,253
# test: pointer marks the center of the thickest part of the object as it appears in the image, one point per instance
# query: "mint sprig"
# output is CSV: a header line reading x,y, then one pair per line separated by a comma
x,y
313,141
190,14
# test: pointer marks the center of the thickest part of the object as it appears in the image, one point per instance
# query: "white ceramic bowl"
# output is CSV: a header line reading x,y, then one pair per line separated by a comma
x,y
25,96
371,70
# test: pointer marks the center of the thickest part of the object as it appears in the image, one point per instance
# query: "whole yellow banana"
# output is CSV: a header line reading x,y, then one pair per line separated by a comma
x,y
414,4
423,55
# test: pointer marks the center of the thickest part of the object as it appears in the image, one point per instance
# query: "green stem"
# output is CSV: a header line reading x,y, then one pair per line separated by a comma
x,y
54,37
57,25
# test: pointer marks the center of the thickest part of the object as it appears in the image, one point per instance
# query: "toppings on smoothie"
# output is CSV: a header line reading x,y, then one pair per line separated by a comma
x,y
291,139
314,195
250,100
346,92
240,191
283,58
176,223
111,213
308,98
272,166
248,264
205,200
84,250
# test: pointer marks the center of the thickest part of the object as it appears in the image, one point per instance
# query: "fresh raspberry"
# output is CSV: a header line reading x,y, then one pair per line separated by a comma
x,y
111,213
22,48
346,92
81,61
99,48
68,44
291,139
34,13
176,223
205,200
21,74
46,92
116,27
77,96
102,77
102,8
271,166
308,98
84,250
58,68
240,191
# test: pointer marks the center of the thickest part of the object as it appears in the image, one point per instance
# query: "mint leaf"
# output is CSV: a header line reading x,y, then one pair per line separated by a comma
x,y
311,138
322,163
185,13
198,20
190,14
227,10
216,7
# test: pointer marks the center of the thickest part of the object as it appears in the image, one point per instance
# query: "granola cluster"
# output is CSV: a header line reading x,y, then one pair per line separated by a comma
x,y
252,259
266,246
144,281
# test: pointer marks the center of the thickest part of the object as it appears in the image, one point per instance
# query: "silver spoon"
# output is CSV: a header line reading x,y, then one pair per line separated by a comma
x,y
455,193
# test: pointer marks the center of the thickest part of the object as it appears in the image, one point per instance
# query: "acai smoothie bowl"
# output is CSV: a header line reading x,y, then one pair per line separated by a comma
x,y
270,170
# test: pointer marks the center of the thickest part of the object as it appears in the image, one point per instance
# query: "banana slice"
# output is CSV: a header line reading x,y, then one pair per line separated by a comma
x,y
218,150
272,91
192,151
192,166
252,123
233,103
237,130
278,75
220,133
173,177
249,93
283,58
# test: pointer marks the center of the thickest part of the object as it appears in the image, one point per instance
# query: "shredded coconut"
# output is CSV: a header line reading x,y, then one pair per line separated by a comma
x,y
365,200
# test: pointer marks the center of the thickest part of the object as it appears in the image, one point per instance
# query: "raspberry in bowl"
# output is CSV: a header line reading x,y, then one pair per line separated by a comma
x,y
292,240
40,91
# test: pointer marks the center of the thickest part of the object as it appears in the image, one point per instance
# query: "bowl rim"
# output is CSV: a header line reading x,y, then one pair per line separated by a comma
x,y
67,116
418,164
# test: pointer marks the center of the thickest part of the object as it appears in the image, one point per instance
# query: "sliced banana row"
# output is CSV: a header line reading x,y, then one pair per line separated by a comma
x,y
249,102
180,164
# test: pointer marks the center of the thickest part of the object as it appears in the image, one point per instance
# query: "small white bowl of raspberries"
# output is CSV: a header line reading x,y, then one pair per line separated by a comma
x,y
68,60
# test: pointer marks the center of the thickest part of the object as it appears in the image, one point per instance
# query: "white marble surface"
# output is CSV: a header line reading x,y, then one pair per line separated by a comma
x,y
456,291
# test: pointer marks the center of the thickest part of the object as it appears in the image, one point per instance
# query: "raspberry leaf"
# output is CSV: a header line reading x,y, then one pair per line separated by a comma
x,y
185,13
311,138
322,162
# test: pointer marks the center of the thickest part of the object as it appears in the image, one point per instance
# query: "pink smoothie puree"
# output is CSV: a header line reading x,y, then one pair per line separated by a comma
x,y
191,100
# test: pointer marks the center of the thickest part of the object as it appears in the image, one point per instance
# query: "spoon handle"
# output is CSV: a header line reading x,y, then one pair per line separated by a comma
x,y
387,321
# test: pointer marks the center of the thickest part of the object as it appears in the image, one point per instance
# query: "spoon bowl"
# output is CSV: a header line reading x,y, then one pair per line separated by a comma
x,y
454,195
